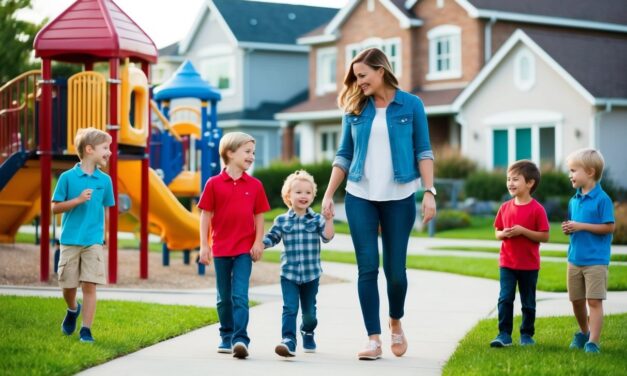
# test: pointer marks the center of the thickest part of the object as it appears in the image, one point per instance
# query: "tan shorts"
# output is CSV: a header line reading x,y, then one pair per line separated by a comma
x,y
81,264
587,282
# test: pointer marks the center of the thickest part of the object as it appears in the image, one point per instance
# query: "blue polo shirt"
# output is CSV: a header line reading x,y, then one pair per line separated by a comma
x,y
595,207
84,224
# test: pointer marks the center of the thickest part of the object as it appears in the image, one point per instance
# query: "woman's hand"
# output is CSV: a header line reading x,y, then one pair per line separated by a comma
x,y
328,209
428,207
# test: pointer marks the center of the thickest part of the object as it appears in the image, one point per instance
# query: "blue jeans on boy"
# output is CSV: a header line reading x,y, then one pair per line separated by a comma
x,y
396,219
232,279
526,280
292,292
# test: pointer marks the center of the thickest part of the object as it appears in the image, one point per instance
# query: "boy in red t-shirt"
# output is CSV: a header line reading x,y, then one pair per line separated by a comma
x,y
521,223
232,206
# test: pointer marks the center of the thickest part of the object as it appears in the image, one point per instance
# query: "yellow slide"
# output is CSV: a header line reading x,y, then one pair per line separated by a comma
x,y
19,201
179,227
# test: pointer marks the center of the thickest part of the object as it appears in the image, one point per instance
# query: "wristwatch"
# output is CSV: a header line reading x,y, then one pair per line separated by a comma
x,y
432,191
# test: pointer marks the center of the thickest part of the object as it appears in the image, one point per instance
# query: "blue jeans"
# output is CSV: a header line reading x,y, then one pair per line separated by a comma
x,y
232,278
396,219
292,292
527,280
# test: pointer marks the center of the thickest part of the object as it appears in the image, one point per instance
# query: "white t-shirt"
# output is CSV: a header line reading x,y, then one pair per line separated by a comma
x,y
377,182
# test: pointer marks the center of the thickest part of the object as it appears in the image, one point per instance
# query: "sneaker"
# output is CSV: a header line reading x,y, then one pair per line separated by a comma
x,y
286,348
225,347
502,340
86,336
579,340
309,344
69,322
527,340
240,350
372,351
592,348
399,344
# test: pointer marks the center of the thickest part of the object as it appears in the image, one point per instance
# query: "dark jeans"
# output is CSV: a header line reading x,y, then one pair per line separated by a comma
x,y
526,280
232,279
292,292
396,219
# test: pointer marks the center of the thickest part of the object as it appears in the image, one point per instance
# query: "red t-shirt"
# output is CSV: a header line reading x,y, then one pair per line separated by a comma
x,y
234,204
521,252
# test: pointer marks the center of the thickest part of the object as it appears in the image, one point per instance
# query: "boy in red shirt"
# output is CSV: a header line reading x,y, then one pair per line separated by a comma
x,y
521,223
232,206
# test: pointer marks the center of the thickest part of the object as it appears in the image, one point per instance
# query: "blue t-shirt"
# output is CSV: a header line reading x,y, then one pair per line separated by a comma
x,y
84,224
595,207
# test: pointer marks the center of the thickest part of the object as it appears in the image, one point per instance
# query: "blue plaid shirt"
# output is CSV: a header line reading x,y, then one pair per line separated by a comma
x,y
300,259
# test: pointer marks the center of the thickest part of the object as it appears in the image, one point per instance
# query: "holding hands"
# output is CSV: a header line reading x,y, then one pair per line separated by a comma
x,y
256,251
328,209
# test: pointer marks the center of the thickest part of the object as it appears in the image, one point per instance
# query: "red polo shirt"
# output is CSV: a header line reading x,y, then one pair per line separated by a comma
x,y
234,204
520,252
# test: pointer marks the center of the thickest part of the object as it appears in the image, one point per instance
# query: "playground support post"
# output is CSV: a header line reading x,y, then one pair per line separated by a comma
x,y
143,215
114,65
45,158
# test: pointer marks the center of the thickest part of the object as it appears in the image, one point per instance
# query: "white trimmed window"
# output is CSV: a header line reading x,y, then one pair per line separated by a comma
x,y
391,47
219,71
524,70
328,141
326,59
444,52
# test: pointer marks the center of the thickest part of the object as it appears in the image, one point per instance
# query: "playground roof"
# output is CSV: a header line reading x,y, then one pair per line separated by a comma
x,y
92,30
186,83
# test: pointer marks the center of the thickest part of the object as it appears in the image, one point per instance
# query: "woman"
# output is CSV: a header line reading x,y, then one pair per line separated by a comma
x,y
384,151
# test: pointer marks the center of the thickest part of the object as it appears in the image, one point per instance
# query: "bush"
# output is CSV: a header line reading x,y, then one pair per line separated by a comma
x,y
273,177
620,217
450,164
449,219
554,184
484,185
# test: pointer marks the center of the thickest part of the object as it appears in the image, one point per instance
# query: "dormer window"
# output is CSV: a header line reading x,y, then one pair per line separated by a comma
x,y
326,59
524,70
444,52
391,48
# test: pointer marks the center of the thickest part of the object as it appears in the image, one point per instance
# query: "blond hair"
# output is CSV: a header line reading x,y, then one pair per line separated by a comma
x,y
89,136
231,142
588,159
352,99
300,175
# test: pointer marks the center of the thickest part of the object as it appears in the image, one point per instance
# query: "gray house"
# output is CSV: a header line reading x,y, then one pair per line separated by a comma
x,y
248,51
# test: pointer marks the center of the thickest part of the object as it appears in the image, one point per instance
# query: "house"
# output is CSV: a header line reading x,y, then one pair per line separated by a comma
x,y
564,92
437,49
248,51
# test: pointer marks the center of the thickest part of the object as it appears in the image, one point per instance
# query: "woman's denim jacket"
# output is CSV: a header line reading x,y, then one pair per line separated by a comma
x,y
408,132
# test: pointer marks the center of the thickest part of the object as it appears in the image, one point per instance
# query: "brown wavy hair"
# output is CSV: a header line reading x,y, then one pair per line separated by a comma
x,y
352,99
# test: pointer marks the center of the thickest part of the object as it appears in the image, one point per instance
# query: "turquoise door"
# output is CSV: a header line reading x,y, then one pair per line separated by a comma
x,y
523,143
500,147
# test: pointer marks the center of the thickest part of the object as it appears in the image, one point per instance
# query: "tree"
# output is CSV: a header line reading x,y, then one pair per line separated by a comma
x,y
16,40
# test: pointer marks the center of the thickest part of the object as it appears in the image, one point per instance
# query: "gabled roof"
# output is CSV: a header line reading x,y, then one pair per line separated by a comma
x,y
94,30
405,18
592,65
261,23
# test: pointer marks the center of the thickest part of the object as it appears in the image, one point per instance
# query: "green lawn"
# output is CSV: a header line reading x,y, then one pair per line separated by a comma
x,y
552,274
32,342
619,257
550,356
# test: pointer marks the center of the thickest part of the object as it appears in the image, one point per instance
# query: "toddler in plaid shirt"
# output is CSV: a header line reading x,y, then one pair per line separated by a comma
x,y
301,230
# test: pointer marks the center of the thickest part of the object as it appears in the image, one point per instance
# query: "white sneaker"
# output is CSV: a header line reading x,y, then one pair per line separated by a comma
x,y
372,351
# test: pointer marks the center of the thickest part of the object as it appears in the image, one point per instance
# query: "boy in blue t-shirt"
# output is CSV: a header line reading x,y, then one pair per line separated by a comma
x,y
590,226
82,194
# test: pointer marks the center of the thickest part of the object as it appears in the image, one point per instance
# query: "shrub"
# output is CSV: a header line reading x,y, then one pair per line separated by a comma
x,y
484,185
620,216
450,164
449,219
273,177
554,184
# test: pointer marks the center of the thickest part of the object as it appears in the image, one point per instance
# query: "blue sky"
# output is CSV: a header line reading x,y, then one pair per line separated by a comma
x,y
165,21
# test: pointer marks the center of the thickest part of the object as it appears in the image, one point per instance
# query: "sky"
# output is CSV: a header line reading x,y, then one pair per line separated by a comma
x,y
165,21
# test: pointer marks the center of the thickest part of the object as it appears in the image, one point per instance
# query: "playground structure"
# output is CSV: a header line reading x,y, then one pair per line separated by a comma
x,y
39,118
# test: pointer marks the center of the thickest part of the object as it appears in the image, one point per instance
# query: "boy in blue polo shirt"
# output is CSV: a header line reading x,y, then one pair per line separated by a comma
x,y
82,194
590,226
301,230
